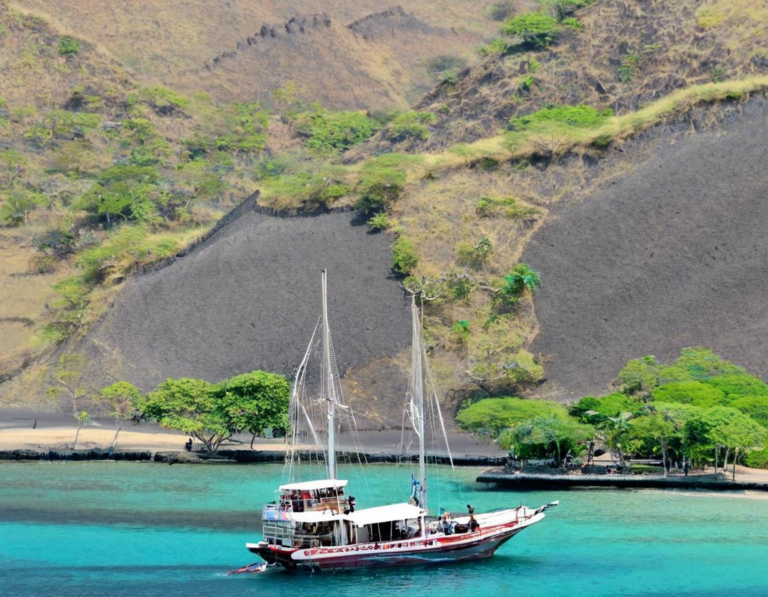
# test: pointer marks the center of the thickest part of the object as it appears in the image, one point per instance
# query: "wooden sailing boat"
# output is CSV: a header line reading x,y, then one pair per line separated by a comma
x,y
314,525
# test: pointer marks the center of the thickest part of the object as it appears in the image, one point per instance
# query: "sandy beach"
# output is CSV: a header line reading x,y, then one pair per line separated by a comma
x,y
27,430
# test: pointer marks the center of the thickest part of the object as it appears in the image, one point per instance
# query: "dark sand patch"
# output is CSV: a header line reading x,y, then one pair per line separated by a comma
x,y
249,298
673,255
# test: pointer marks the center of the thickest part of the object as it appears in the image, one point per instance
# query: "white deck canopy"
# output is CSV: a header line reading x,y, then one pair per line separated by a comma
x,y
389,513
313,485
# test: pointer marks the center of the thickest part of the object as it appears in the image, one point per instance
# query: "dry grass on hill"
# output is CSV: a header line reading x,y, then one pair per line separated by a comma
x,y
628,55
163,42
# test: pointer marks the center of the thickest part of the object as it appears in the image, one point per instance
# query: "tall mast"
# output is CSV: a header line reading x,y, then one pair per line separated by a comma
x,y
417,399
328,393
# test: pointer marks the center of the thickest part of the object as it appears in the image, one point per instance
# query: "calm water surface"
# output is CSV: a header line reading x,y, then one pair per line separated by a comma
x,y
148,529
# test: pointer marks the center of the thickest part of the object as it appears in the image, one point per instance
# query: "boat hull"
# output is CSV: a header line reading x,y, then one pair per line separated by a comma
x,y
438,549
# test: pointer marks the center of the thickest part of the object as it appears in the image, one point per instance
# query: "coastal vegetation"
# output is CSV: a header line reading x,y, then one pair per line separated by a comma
x,y
213,413
699,408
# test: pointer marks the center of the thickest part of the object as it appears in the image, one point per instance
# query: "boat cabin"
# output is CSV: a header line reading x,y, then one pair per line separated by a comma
x,y
321,500
319,514
396,522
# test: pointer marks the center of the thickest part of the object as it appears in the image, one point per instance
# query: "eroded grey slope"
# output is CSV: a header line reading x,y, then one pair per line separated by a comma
x,y
673,255
249,298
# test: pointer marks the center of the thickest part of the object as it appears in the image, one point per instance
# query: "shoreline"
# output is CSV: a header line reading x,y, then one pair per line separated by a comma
x,y
538,481
255,456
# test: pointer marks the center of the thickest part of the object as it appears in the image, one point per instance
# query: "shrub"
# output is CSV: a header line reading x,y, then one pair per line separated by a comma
x,y
563,9
379,222
508,207
404,257
378,197
476,254
68,46
128,247
122,191
411,125
331,133
439,66
495,47
42,264
162,100
572,23
521,279
459,285
535,28
580,116
627,68
460,331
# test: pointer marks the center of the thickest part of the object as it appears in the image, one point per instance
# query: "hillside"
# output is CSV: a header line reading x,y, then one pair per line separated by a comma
x,y
625,55
669,255
251,294
492,200
344,54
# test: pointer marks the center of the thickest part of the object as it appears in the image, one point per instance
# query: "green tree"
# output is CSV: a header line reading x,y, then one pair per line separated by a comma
x,y
689,392
256,401
214,413
121,398
697,363
83,418
724,427
68,375
656,431
16,204
639,376
544,436
189,405
737,385
598,410
615,434
490,416
755,407
679,444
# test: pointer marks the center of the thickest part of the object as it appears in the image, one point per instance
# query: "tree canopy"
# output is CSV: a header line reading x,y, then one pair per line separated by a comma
x,y
698,408
493,415
213,413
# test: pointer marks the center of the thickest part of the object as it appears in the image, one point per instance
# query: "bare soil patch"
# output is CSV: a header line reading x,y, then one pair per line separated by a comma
x,y
672,254
249,298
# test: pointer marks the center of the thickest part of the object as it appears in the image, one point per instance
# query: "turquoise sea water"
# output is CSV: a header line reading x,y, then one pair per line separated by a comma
x,y
146,529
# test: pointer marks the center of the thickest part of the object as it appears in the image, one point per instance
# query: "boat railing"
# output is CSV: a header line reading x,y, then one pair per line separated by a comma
x,y
274,512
